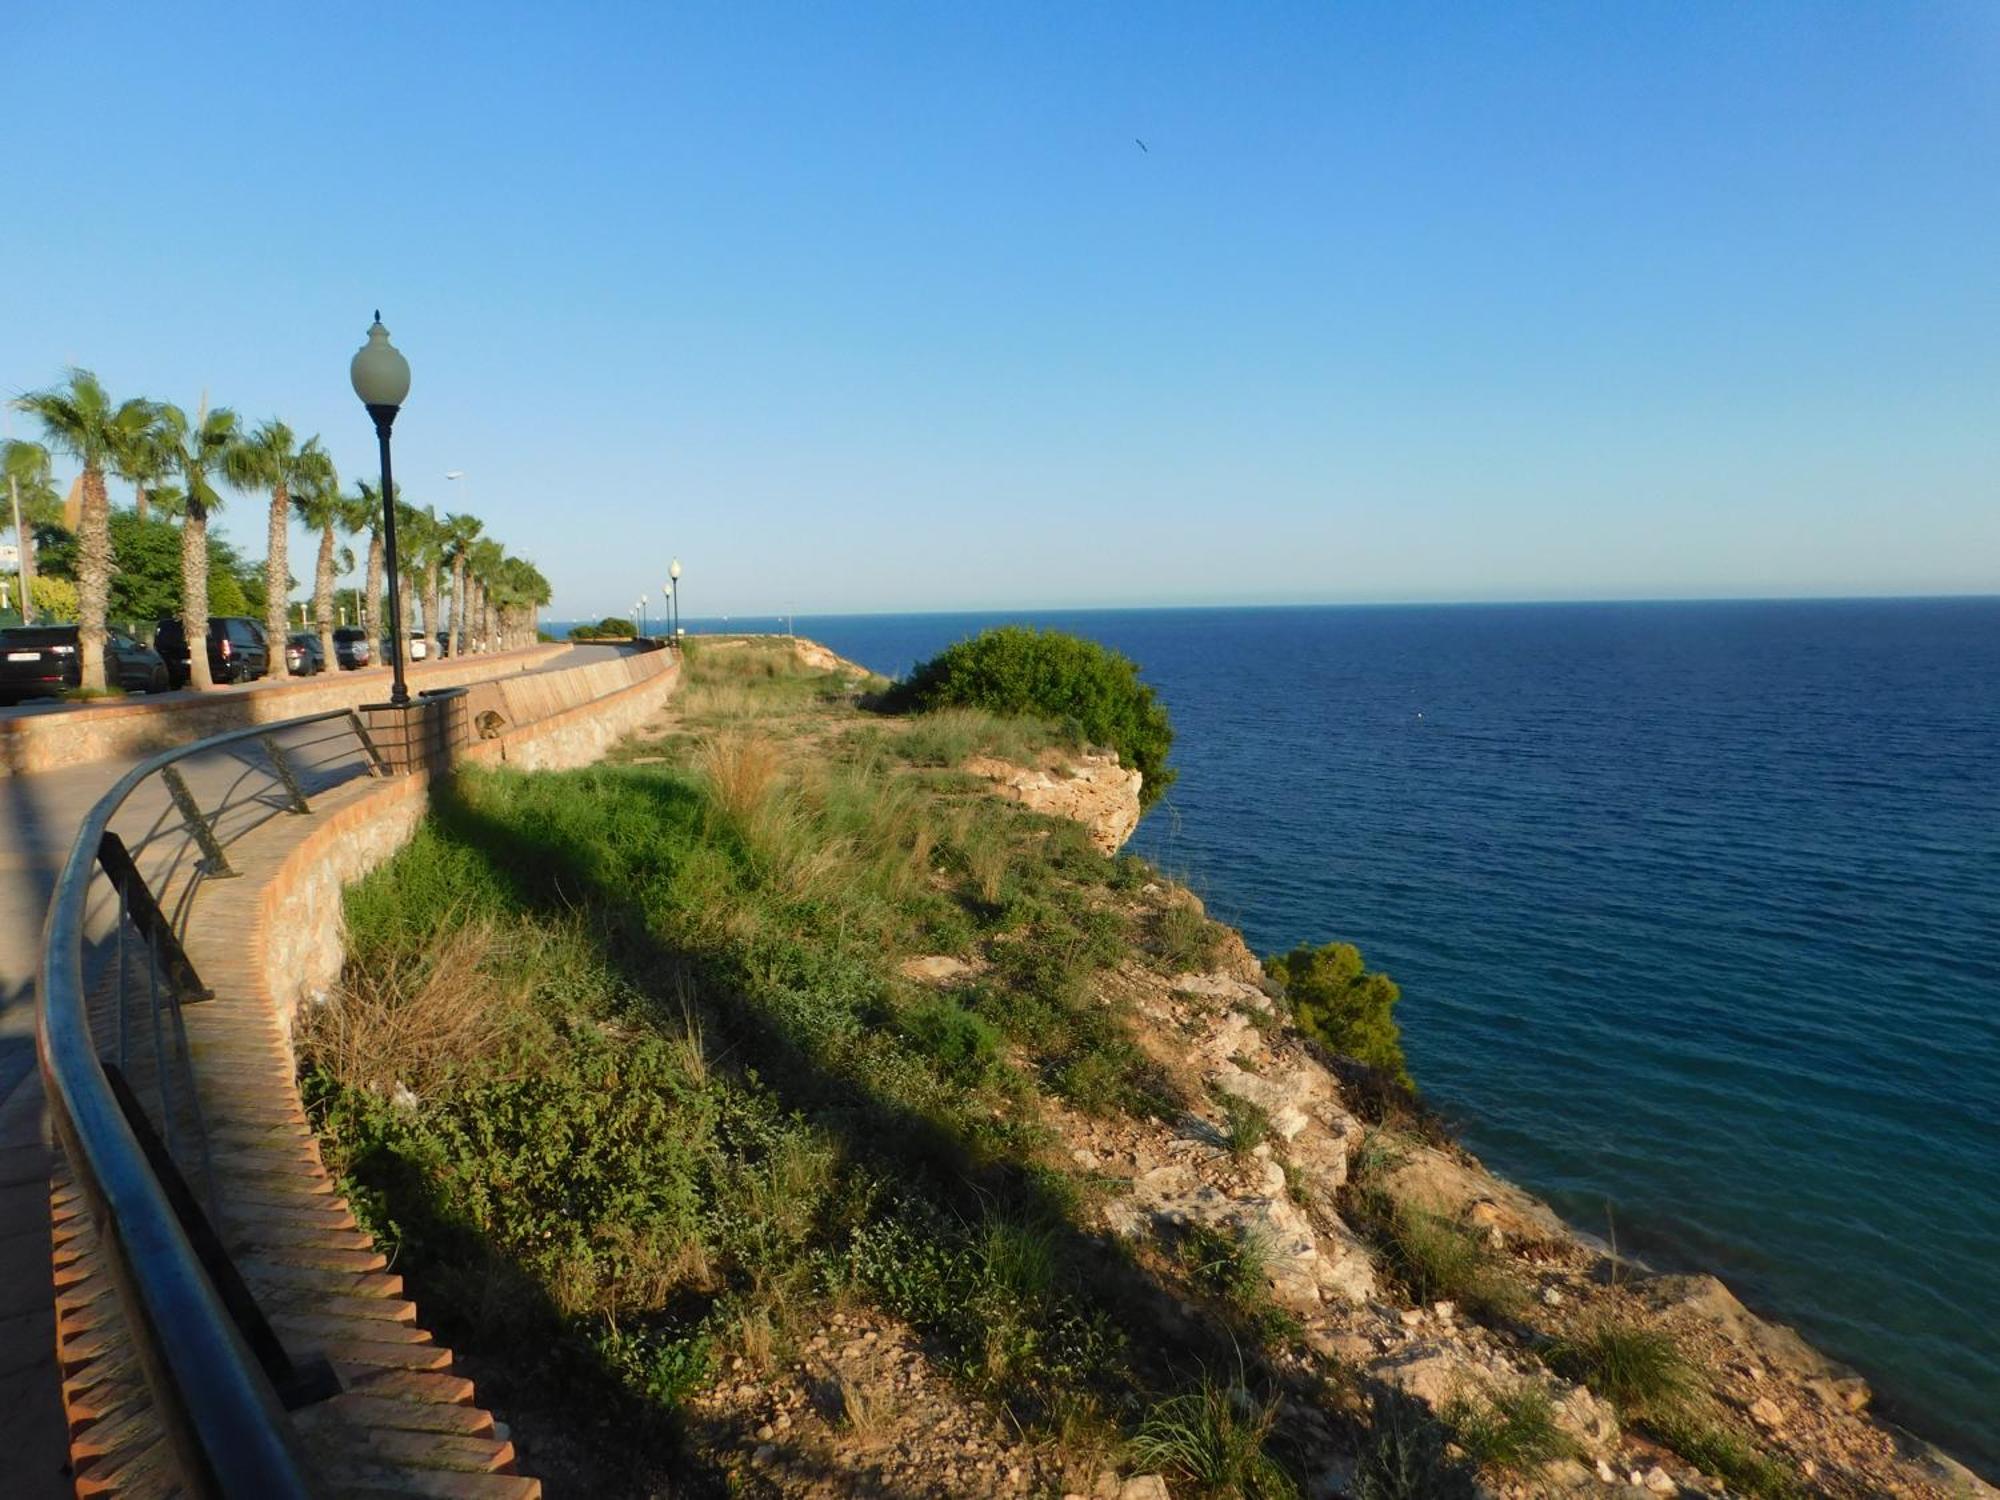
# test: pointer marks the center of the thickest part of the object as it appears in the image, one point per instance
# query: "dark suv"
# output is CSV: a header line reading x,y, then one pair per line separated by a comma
x,y
42,661
237,650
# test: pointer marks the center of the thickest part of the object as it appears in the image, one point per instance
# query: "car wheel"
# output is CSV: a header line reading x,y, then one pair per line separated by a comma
x,y
159,682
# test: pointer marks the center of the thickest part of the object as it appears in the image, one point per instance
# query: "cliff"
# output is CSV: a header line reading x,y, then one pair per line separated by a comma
x,y
891,1136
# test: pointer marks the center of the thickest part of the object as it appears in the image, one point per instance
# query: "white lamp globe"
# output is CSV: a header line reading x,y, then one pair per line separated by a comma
x,y
674,571
380,374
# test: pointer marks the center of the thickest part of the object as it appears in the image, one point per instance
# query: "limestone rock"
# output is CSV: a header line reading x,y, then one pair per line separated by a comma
x,y
935,968
1093,790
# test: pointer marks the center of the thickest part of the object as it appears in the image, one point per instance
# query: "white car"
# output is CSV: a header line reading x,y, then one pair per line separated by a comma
x,y
416,648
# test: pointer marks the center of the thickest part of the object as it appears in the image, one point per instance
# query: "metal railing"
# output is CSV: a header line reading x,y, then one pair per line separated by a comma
x,y
114,1056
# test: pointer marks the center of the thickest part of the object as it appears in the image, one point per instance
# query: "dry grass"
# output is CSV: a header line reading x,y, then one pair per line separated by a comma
x,y
412,1021
740,770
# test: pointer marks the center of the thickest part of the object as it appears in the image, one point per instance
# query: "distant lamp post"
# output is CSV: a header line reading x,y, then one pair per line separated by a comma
x,y
674,585
381,379
642,616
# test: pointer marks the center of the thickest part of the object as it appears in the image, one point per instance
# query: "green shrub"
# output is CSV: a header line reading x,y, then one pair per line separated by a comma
x,y
1187,941
1713,1447
1245,1125
1051,675
1337,1002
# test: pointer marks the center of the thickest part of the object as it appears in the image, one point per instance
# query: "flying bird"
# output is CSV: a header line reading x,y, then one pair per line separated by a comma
x,y
1142,145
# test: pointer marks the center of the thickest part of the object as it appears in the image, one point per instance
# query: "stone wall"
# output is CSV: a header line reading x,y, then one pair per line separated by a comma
x,y
58,735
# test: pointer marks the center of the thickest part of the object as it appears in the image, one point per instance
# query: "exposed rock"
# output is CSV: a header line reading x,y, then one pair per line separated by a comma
x,y
1144,1487
936,968
1094,790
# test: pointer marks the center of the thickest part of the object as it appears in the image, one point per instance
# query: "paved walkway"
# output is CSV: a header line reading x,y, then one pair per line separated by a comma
x,y
39,816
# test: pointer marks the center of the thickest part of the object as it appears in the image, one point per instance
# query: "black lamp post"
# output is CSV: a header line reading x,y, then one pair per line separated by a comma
x,y
381,379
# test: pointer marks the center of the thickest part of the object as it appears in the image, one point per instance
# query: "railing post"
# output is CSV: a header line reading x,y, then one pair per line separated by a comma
x,y
284,769
377,766
215,864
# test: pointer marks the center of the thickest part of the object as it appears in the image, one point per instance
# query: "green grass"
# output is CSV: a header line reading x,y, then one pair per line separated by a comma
x,y
1404,1455
1638,1369
678,1101
1512,1429
1211,1441
1185,940
1436,1259
1245,1125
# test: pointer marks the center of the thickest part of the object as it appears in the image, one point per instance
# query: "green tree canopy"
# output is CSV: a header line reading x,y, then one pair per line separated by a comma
x,y
1339,1003
1017,669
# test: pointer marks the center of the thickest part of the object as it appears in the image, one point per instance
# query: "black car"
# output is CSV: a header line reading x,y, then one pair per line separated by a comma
x,y
44,661
350,647
237,650
303,655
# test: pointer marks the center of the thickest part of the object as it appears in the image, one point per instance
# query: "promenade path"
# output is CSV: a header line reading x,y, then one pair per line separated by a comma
x,y
39,817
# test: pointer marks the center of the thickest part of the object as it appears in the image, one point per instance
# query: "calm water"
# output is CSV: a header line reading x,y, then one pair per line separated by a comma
x,y
1696,910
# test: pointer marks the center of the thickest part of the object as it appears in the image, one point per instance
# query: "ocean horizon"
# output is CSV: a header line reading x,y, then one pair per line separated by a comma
x,y
1693,905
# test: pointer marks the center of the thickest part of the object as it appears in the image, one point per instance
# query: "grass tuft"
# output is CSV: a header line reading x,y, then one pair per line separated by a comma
x,y
1212,1440
1509,1429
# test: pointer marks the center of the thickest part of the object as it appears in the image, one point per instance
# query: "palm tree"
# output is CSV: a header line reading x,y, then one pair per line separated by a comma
x,y
144,461
80,420
428,549
322,507
412,538
460,532
32,501
272,458
366,494
484,561
199,449
359,513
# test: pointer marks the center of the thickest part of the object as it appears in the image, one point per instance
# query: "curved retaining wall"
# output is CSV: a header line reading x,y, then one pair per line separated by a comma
x,y
406,1422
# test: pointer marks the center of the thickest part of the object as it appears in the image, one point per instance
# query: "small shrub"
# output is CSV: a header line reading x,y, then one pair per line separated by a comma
x,y
1403,1455
964,1044
1225,1262
1051,675
1186,940
1510,1429
1640,1370
1337,1002
1212,1440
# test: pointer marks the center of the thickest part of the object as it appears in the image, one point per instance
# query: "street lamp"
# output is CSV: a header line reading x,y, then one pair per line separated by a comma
x,y
674,584
642,616
381,379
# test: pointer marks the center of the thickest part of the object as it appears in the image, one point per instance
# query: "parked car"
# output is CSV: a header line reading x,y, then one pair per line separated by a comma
x,y
237,649
44,661
414,647
304,656
350,647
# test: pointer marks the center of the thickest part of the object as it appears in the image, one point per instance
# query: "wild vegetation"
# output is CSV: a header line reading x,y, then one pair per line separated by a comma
x,y
654,1075
1095,693
177,467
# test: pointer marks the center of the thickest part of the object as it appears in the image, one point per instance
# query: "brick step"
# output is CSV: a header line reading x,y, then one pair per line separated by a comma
x,y
335,1329
438,1484
275,1277
362,1355
442,1450
426,1386
415,1416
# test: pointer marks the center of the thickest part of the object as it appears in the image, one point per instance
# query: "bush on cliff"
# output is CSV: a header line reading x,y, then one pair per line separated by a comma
x,y
1339,1003
1018,669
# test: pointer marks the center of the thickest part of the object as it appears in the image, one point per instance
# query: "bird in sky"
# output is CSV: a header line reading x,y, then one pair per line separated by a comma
x,y
1142,145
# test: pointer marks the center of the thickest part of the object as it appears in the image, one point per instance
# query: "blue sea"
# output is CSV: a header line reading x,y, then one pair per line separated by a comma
x,y
1695,909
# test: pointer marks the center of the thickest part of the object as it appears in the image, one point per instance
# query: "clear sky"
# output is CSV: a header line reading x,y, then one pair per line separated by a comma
x,y
883,307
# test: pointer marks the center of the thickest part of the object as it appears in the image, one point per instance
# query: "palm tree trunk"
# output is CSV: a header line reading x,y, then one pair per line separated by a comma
x,y
140,500
458,605
26,543
323,596
277,578
375,631
433,621
93,583
194,593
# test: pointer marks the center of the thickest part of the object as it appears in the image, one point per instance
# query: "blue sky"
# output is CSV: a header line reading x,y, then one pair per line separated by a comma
x,y
883,308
